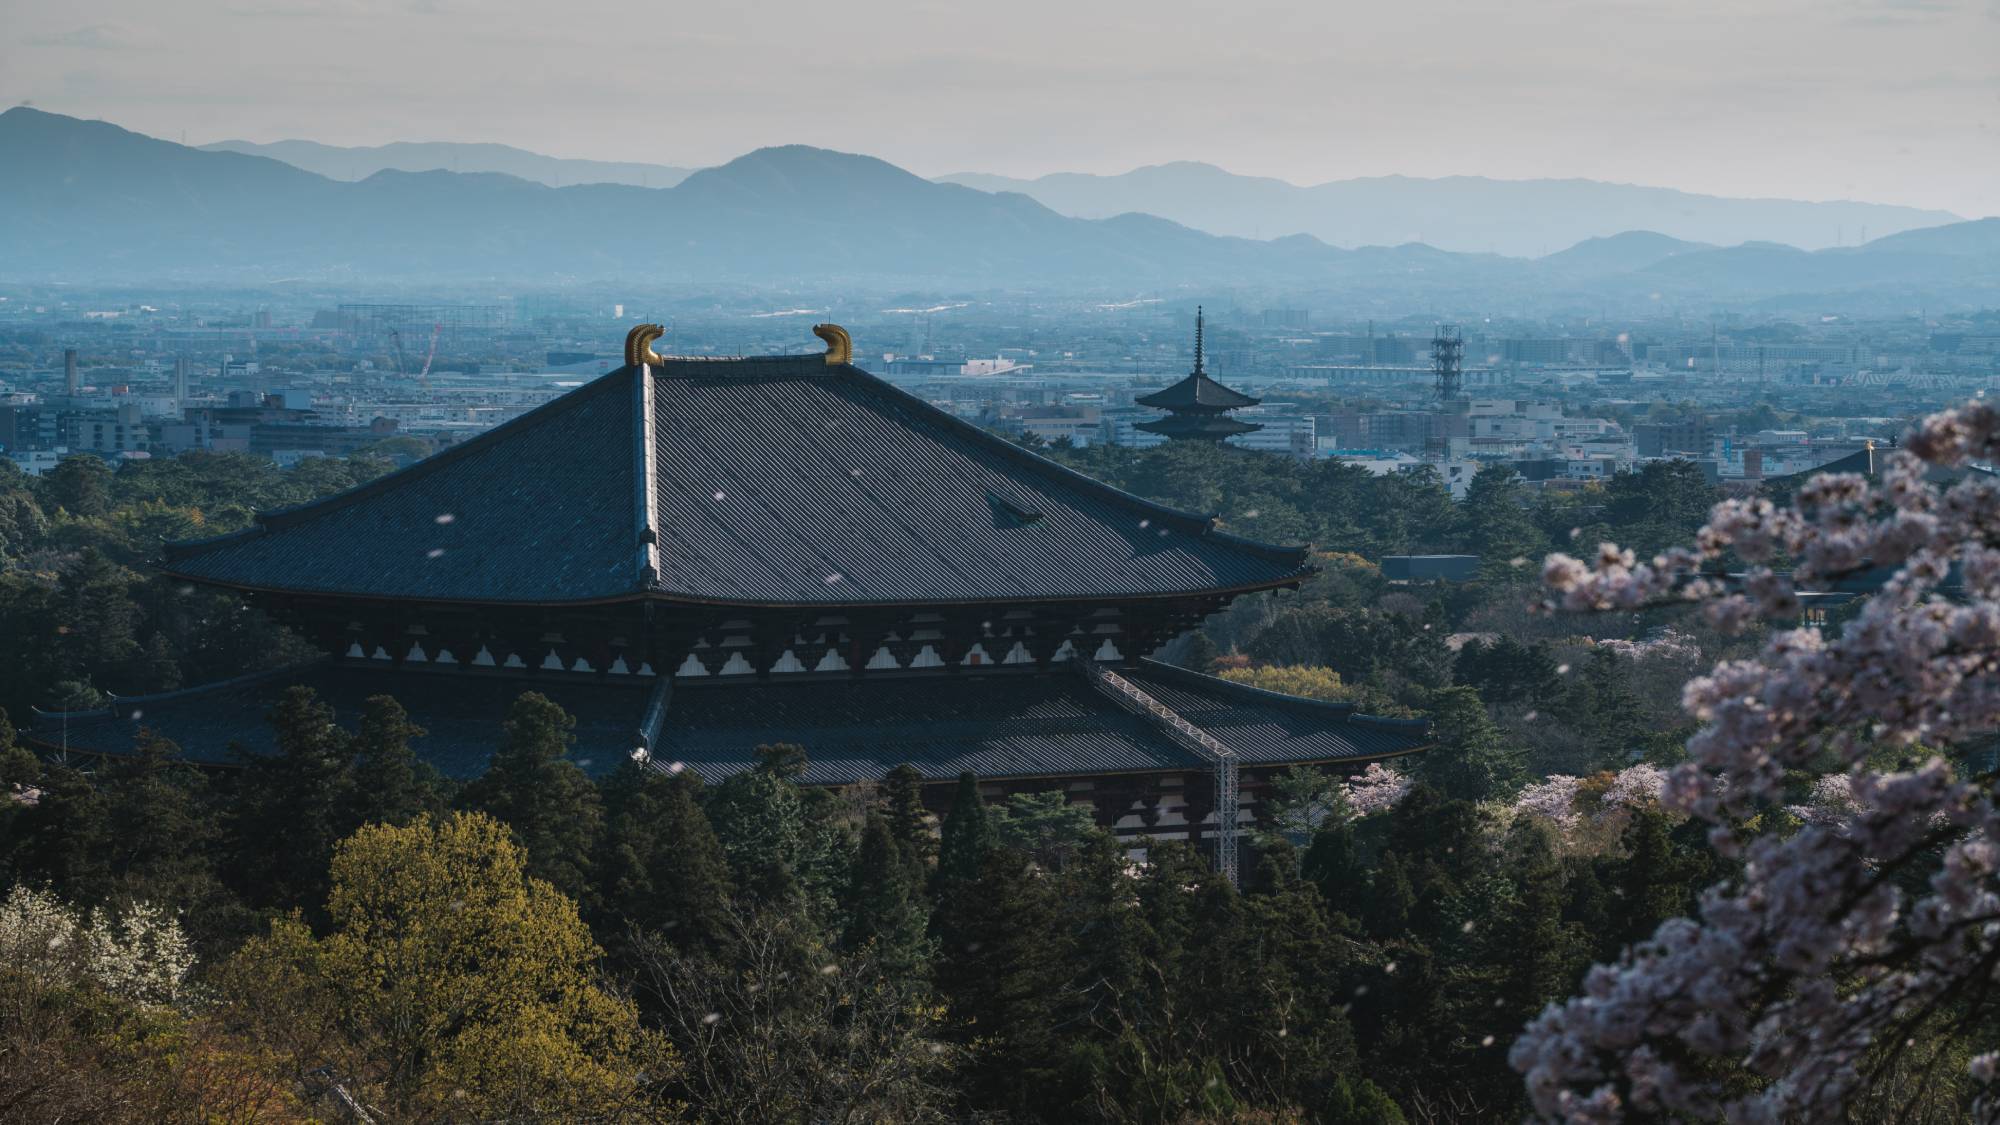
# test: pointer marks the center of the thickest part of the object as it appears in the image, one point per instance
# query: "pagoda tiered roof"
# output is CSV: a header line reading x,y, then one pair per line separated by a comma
x,y
769,481
1197,392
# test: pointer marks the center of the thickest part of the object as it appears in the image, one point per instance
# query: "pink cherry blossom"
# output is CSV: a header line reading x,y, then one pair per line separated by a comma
x,y
1797,976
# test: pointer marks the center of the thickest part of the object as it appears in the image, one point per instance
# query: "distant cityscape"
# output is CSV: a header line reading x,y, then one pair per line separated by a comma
x,y
1563,402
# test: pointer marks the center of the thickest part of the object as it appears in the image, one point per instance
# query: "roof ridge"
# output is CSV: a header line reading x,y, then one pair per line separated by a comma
x,y
298,513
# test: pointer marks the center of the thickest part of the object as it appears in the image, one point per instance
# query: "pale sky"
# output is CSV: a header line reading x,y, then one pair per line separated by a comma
x,y
1894,101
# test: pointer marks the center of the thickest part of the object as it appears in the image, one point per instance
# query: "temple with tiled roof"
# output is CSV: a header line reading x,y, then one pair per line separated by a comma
x,y
1197,407
697,557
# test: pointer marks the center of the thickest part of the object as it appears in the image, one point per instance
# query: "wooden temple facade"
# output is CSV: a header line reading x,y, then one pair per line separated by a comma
x,y
701,556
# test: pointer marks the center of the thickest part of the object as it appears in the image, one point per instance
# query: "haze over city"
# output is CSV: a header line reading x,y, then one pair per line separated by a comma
x,y
1414,563
1891,101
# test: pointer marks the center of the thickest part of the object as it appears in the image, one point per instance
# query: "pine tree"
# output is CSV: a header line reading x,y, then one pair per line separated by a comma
x,y
1534,948
966,837
1003,963
663,869
391,785
884,908
909,821
534,789
18,765
65,838
760,817
161,837
1332,864
1470,758
291,806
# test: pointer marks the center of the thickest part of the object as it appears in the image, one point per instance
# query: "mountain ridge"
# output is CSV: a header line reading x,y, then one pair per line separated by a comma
x,y
1522,218
82,200
355,163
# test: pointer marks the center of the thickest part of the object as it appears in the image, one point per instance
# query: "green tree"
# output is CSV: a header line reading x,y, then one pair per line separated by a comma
x,y
903,803
451,985
966,836
885,909
664,872
760,816
80,484
291,806
533,788
391,785
1661,505
1003,965
1045,827
1496,524
1470,758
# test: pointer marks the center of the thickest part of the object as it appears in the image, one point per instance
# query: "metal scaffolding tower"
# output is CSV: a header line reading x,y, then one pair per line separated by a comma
x,y
1447,361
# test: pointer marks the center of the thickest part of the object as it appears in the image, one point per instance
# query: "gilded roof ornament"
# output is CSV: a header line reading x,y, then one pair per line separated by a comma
x,y
639,345
839,345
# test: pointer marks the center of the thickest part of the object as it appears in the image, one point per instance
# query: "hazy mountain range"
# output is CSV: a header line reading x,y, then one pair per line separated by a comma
x,y
86,200
1523,218
337,163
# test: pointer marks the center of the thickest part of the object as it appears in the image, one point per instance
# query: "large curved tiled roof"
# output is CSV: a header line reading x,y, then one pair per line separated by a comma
x,y
774,481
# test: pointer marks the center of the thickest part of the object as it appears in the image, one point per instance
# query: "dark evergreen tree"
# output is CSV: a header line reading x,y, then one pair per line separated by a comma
x,y
903,804
291,807
391,785
1003,961
544,797
97,623
1470,758
1535,951
966,836
1199,654
64,839
765,826
884,907
80,484
663,870
1332,864
1504,670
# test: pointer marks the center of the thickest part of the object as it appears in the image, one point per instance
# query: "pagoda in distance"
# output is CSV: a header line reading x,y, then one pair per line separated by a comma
x,y
1197,407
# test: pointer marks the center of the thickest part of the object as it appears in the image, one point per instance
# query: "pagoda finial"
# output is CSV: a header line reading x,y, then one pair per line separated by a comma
x,y
1197,339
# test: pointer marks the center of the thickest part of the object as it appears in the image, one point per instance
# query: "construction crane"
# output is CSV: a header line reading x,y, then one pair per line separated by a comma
x,y
424,376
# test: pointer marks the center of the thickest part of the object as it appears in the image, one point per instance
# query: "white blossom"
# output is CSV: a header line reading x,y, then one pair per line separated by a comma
x,y
1375,789
139,954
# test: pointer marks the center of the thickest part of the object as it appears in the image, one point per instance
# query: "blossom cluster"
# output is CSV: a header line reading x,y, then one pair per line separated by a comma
x,y
1803,972
1670,645
1375,789
140,954
1567,804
